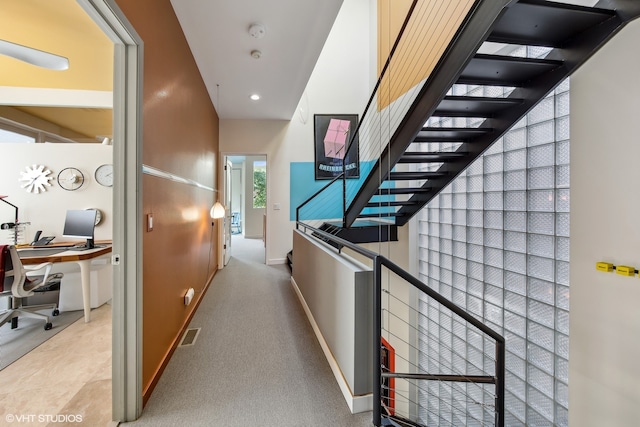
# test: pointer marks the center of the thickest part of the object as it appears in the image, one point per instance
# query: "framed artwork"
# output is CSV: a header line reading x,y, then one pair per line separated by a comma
x,y
332,134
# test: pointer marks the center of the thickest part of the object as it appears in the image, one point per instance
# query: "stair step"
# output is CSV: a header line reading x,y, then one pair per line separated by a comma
x,y
400,191
390,204
381,215
497,70
401,176
544,23
363,231
474,106
428,134
417,157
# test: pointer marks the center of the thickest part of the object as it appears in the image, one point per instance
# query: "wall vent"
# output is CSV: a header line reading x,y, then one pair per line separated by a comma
x,y
189,337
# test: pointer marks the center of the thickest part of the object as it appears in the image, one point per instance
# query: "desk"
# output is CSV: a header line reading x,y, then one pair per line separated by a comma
x,y
82,258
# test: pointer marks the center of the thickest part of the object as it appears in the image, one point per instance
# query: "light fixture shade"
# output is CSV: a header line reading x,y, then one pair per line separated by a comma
x,y
217,211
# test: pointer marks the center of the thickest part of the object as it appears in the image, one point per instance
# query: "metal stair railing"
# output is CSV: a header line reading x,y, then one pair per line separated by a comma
x,y
449,33
387,411
427,23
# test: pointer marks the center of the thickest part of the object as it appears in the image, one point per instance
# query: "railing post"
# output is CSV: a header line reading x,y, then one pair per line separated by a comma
x,y
500,387
344,195
377,335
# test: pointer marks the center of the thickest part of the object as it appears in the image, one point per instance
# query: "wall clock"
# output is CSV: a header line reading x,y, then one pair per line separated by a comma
x,y
104,175
36,179
70,179
98,215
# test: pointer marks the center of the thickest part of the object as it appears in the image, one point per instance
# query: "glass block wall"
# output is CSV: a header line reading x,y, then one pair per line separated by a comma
x,y
496,242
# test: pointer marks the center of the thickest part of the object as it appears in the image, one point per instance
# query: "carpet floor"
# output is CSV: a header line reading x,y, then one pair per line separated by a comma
x,y
256,360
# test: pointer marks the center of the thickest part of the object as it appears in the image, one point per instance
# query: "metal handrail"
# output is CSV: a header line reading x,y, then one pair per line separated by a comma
x,y
482,379
374,93
350,143
378,262
315,194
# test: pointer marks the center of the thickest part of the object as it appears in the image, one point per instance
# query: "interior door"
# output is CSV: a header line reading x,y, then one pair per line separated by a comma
x,y
228,211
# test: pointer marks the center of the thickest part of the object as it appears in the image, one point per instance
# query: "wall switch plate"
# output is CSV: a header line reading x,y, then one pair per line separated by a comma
x,y
276,206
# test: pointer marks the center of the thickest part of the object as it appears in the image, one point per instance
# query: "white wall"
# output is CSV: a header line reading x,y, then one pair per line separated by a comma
x,y
337,294
46,211
604,360
340,83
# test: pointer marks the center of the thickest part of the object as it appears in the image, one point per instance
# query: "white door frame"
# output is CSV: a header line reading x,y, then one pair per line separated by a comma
x,y
127,208
228,212
223,177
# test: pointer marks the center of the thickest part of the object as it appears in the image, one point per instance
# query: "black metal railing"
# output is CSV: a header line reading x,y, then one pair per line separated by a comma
x,y
396,90
380,375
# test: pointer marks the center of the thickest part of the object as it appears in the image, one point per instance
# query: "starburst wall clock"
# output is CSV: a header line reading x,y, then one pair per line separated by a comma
x,y
36,179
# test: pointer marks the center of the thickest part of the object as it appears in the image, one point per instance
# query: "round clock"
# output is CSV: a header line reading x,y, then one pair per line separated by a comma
x,y
70,179
36,178
104,175
98,215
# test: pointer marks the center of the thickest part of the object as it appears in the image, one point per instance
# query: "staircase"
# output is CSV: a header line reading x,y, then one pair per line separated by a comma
x,y
407,175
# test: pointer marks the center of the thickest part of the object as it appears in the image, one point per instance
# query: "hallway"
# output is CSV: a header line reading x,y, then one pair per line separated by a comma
x,y
256,361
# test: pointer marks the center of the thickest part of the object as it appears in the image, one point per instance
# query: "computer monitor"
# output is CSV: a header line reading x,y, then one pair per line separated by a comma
x,y
80,224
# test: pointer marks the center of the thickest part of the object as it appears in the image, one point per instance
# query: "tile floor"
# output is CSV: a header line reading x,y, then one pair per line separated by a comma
x,y
67,377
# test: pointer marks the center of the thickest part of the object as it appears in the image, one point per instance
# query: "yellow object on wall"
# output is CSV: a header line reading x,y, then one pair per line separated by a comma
x,y
623,270
604,266
626,270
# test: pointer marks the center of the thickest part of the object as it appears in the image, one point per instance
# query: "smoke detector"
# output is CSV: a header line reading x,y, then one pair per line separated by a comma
x,y
256,54
257,31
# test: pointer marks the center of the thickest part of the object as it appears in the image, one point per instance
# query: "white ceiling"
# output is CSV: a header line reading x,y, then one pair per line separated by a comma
x,y
218,33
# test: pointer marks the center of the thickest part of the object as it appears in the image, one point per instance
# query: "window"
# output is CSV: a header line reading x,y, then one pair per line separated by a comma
x,y
259,184
7,135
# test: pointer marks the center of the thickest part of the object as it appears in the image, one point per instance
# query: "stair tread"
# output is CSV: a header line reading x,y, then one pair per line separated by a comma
x,y
393,176
400,191
381,215
501,70
418,157
390,204
432,134
544,23
473,106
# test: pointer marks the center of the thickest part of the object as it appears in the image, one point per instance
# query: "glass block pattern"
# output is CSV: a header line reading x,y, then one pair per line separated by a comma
x,y
507,263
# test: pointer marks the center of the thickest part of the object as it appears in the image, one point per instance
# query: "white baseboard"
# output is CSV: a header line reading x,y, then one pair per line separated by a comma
x,y
275,261
356,403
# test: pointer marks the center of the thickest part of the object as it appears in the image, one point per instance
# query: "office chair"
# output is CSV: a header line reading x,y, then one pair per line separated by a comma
x,y
235,223
15,283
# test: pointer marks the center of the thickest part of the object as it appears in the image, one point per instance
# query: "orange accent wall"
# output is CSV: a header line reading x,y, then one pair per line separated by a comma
x,y
180,136
428,33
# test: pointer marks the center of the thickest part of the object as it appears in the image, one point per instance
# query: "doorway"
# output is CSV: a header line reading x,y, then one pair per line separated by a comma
x,y
246,198
125,331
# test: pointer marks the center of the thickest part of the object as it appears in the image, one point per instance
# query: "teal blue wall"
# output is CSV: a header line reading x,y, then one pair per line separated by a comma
x,y
328,205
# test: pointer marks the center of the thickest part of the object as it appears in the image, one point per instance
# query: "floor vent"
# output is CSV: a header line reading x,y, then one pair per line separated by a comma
x,y
189,337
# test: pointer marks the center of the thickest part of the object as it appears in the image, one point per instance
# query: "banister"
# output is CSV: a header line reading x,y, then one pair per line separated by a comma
x,y
378,261
314,195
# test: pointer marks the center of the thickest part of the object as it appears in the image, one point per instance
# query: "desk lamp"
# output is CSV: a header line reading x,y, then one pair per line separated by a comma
x,y
14,225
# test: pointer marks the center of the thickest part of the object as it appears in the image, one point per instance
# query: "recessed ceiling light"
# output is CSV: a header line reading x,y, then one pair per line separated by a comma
x,y
255,97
